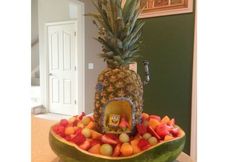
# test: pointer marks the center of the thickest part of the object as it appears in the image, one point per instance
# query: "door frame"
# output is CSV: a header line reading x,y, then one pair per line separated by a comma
x,y
193,140
77,82
80,61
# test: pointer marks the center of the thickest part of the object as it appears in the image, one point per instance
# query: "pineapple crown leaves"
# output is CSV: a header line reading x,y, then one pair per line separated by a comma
x,y
119,30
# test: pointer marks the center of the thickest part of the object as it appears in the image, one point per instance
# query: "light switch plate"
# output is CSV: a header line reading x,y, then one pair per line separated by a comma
x,y
90,66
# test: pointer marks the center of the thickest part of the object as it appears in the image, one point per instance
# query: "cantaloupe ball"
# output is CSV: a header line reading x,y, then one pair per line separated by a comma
x,y
126,149
152,141
124,138
146,136
86,120
69,130
168,137
86,132
154,123
145,116
80,125
106,150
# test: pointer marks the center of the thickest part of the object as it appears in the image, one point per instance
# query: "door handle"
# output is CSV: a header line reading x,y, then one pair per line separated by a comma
x,y
49,74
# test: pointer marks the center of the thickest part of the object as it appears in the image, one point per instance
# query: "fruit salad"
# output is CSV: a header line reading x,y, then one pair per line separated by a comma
x,y
153,130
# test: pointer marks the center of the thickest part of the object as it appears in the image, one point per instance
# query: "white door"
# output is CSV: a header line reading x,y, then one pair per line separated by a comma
x,y
62,68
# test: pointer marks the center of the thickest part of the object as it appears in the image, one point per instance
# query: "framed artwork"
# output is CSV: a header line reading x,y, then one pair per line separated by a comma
x,y
155,8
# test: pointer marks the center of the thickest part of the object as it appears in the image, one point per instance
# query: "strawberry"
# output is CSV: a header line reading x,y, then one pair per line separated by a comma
x,y
174,132
78,139
143,144
162,130
85,145
141,129
80,117
152,132
64,122
108,140
169,127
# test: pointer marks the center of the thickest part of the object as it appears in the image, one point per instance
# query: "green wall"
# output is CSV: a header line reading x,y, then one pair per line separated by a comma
x,y
168,45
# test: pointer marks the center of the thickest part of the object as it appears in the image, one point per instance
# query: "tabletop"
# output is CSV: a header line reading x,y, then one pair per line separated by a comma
x,y
41,151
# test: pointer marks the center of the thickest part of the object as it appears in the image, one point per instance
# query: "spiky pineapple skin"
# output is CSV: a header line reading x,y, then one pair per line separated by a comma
x,y
118,83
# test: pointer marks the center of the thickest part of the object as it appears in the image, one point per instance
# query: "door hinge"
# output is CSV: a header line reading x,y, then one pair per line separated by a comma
x,y
75,101
75,68
74,33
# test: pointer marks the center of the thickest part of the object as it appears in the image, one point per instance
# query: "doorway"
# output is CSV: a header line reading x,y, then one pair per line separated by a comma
x,y
63,74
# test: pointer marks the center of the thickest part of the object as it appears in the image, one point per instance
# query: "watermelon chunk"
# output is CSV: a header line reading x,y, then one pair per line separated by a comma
x,y
78,139
141,129
143,144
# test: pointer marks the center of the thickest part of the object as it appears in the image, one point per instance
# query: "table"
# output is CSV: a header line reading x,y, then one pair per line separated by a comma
x,y
41,151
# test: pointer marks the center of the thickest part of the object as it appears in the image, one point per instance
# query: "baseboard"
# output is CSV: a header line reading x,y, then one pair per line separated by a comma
x,y
53,116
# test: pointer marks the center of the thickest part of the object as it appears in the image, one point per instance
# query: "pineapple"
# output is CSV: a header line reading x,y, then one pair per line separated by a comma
x,y
119,34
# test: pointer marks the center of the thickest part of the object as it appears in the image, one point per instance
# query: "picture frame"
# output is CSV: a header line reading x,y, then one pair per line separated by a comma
x,y
156,8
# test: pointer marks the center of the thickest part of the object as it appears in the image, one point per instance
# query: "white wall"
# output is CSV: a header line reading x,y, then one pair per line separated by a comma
x,y
92,50
34,34
60,10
